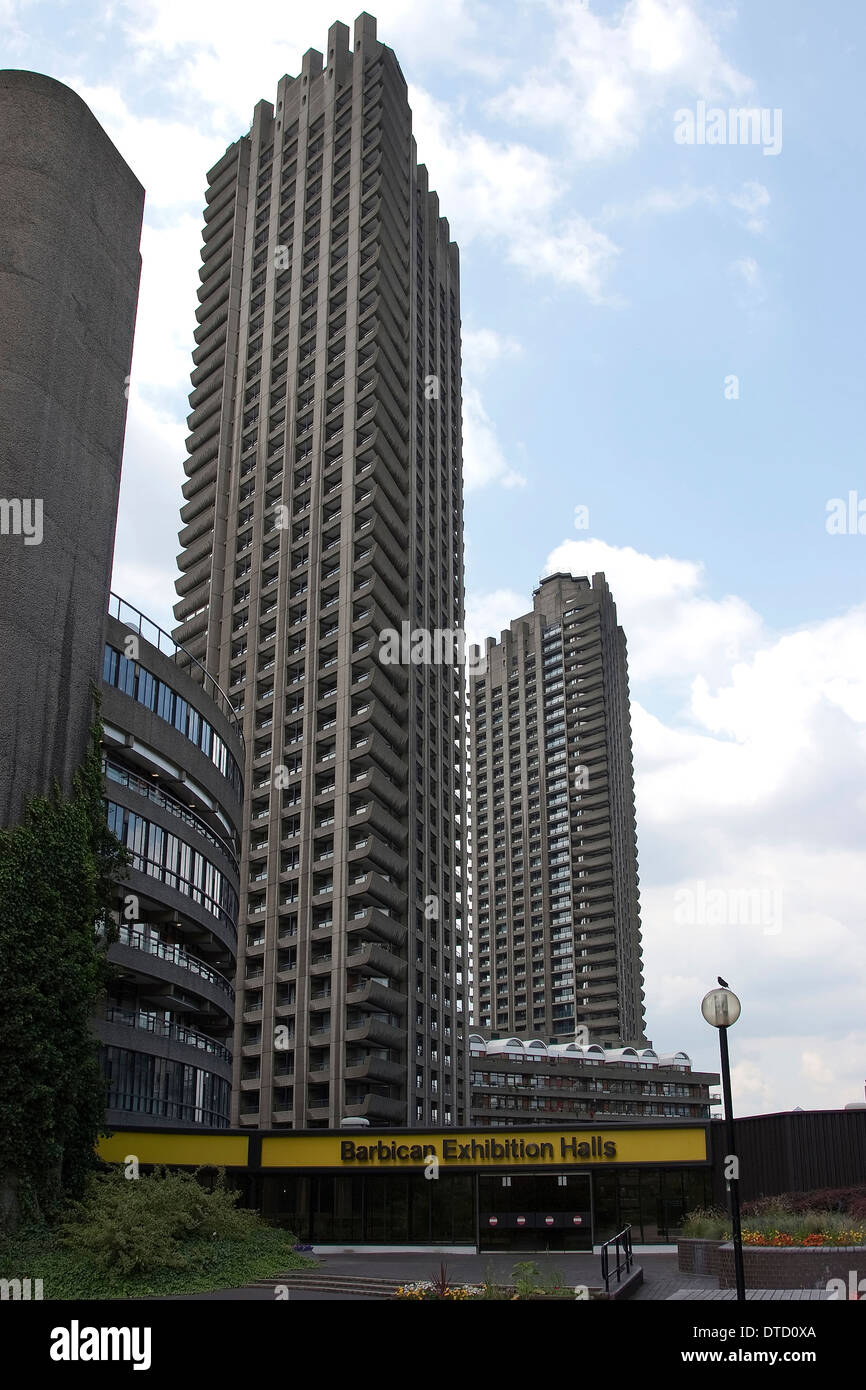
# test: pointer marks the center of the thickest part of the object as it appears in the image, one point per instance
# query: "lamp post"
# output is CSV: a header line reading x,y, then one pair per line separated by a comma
x,y
721,1009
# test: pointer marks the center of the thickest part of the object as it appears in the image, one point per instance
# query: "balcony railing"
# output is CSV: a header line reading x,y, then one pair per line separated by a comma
x,y
151,632
149,1024
175,955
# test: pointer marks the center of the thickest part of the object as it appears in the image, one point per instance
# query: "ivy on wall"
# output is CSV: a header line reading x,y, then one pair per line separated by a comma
x,y
56,870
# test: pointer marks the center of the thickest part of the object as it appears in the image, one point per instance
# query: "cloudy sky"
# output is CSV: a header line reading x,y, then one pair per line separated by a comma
x,y
667,334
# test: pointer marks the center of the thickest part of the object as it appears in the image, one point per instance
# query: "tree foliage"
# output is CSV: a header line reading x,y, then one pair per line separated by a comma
x,y
56,870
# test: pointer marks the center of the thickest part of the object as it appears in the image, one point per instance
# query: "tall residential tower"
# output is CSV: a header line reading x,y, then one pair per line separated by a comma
x,y
557,922
324,507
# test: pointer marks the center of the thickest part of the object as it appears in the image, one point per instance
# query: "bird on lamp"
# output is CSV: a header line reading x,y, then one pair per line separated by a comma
x,y
724,984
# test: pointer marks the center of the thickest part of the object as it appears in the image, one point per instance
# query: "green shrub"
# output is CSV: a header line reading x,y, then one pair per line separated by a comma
x,y
139,1226
36,1252
527,1278
707,1223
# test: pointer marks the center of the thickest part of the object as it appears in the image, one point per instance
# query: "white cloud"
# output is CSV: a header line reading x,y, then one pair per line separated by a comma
x,y
672,628
148,519
488,615
213,59
509,195
747,274
751,200
484,460
604,80
483,348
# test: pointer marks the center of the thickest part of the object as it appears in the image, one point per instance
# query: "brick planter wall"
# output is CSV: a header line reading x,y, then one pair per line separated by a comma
x,y
790,1267
699,1256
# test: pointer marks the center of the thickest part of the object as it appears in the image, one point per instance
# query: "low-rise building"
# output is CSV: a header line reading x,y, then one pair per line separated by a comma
x,y
515,1082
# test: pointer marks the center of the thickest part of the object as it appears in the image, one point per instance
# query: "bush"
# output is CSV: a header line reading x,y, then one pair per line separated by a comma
x,y
526,1277
850,1200
707,1223
143,1225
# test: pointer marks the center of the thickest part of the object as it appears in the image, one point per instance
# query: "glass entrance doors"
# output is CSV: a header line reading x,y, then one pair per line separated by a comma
x,y
535,1211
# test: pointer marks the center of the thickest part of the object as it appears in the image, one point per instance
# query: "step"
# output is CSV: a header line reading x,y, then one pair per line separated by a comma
x,y
332,1283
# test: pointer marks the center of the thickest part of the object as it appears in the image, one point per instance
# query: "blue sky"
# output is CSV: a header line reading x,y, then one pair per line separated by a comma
x,y
612,280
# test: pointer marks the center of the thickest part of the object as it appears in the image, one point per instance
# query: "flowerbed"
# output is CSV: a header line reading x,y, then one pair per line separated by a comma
x,y
814,1238
778,1225
529,1282
425,1289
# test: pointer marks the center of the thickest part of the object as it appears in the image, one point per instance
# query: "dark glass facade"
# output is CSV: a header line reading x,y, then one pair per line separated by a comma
x,y
496,1211
166,857
653,1201
371,1208
157,1086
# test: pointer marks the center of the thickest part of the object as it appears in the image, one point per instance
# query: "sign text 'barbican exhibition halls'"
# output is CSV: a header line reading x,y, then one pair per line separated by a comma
x,y
479,1151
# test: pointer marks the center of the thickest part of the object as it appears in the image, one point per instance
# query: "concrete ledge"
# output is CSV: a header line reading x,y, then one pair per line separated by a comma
x,y
629,1286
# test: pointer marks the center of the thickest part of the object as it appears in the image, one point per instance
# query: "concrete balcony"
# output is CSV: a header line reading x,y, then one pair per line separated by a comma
x,y
378,562
374,995
372,813
373,886
374,852
376,1069
369,585
379,1108
373,782
376,715
374,1030
369,921
384,684
371,958
375,747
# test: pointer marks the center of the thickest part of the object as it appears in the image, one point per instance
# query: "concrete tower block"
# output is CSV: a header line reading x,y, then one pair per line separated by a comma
x,y
70,223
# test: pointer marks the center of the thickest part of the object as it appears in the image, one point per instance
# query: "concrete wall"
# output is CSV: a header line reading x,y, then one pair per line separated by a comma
x,y
70,222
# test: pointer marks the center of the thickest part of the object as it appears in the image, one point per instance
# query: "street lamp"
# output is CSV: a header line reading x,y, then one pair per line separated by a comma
x,y
721,1009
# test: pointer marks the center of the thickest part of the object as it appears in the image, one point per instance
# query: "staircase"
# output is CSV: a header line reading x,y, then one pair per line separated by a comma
x,y
338,1285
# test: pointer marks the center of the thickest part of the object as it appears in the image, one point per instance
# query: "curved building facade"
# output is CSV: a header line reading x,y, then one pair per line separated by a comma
x,y
70,221
173,755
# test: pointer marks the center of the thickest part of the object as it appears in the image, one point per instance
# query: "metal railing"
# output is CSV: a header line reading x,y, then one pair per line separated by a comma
x,y
175,955
138,622
124,777
151,1024
624,1257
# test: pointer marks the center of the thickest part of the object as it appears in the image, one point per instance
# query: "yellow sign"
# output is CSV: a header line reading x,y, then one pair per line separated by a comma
x,y
359,1149
559,1148
185,1150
